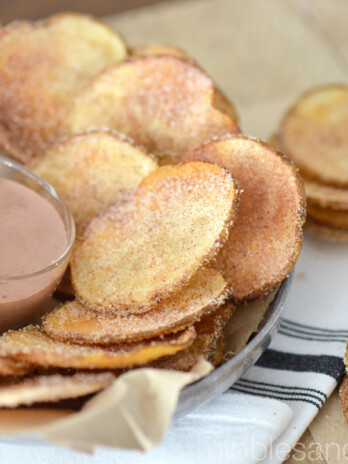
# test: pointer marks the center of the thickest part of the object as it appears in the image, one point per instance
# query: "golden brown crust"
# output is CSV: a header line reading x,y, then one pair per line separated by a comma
x,y
313,134
163,103
328,217
93,170
344,397
209,343
331,234
73,322
51,388
266,238
42,66
34,346
161,50
326,196
139,253
10,367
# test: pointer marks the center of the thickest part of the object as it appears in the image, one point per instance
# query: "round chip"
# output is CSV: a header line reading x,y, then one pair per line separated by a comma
x,y
42,66
139,252
93,170
36,347
74,322
314,134
52,388
161,50
209,343
328,217
331,234
344,397
266,238
326,196
221,102
163,103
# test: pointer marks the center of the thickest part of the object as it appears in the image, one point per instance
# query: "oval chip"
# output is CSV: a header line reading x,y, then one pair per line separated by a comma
x,y
314,134
52,388
266,238
163,103
139,252
328,217
326,196
331,234
74,322
221,102
42,66
34,346
93,170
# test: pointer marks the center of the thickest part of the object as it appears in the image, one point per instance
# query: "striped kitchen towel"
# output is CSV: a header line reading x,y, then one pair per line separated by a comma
x,y
262,416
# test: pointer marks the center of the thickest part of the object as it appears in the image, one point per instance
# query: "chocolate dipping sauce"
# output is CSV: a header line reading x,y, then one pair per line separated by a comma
x,y
32,237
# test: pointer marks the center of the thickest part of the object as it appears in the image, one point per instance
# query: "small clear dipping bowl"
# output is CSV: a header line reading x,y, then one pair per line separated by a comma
x,y
26,295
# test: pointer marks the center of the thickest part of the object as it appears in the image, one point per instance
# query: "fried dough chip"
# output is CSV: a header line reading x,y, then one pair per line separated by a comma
x,y
344,397
328,217
209,343
326,196
139,252
74,322
42,66
221,102
93,170
36,347
161,50
266,238
163,103
9,367
314,134
51,388
331,234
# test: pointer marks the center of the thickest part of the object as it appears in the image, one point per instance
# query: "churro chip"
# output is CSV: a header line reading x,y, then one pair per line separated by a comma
x,y
209,342
319,194
93,170
42,66
344,397
326,196
36,347
141,251
331,234
74,322
51,388
328,217
221,102
163,103
10,367
161,50
314,134
266,238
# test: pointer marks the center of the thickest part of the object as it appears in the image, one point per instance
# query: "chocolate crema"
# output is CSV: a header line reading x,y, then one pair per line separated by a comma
x,y
32,237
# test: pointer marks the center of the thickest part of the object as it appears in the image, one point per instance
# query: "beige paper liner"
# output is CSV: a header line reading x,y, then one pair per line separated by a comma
x,y
136,410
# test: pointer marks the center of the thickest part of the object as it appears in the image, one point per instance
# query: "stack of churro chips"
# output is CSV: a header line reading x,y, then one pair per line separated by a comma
x,y
180,217
314,135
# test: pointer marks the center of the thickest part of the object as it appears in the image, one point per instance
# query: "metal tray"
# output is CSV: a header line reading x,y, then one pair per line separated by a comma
x,y
224,376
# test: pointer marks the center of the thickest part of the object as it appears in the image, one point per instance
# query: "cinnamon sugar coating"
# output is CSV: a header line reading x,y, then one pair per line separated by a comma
x,y
266,238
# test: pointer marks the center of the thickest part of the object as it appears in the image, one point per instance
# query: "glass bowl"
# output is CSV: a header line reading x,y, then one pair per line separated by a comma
x,y
26,294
